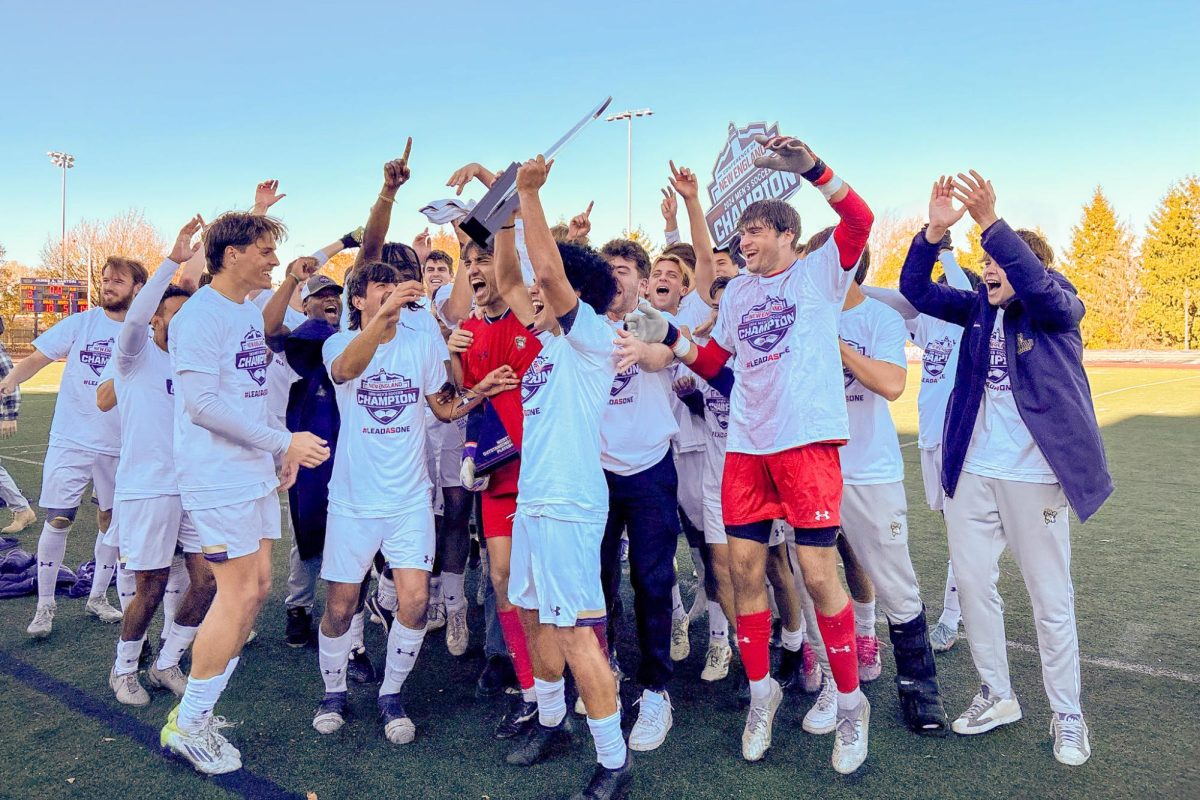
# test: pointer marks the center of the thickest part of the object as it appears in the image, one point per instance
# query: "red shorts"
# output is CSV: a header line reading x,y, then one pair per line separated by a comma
x,y
498,513
802,485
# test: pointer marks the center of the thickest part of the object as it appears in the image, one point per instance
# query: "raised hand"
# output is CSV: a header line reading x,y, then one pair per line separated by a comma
x,y
498,380
531,176
396,172
670,208
266,194
460,341
683,181
580,224
423,244
942,213
785,154
473,171
303,268
184,249
647,323
978,196
404,294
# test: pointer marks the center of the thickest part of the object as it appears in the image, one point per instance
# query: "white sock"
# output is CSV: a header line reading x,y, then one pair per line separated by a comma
x,y
386,593
404,645
178,640
677,610
128,654
453,591
792,639
552,701
333,656
52,547
435,590
529,695
201,696
864,618
760,691
848,701
610,745
699,600
127,587
106,565
178,582
718,624
951,613
357,622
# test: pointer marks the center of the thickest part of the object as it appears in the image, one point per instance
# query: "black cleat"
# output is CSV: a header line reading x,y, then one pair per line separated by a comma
x,y
380,614
608,784
518,719
497,676
541,743
790,673
299,627
145,657
359,668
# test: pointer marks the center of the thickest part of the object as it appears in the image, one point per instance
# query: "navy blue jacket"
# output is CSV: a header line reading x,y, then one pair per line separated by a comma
x,y
1045,362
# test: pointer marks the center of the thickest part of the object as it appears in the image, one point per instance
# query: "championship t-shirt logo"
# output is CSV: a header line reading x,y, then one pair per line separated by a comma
x,y
847,375
253,356
765,325
385,396
997,374
96,354
622,380
937,355
718,406
535,377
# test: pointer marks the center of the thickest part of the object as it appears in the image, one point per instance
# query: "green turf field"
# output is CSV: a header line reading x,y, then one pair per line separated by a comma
x,y
63,735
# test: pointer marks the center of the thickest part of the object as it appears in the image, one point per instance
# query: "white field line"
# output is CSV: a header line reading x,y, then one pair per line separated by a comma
x,y
1122,666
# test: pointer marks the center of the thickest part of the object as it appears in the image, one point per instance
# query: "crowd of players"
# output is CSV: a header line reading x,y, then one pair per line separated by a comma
x,y
585,407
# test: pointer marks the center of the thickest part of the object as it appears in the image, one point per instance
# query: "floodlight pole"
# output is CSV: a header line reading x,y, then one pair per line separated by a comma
x,y
628,117
66,161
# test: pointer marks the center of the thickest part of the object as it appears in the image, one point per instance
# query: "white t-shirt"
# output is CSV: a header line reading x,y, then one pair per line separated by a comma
x,y
638,423
564,393
716,424
213,335
939,361
692,436
873,453
280,375
145,386
379,469
86,341
1001,446
783,333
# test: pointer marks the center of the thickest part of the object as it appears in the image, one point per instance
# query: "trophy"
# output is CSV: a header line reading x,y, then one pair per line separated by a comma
x,y
495,207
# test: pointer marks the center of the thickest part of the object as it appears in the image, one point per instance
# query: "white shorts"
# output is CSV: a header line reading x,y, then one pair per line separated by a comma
x,y
406,539
66,473
714,524
689,467
555,569
450,456
236,530
931,474
154,527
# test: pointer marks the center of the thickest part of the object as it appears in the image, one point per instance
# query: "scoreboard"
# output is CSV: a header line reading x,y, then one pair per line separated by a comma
x,y
52,296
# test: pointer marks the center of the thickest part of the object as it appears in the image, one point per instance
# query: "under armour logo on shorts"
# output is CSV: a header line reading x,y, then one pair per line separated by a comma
x,y
557,610
820,515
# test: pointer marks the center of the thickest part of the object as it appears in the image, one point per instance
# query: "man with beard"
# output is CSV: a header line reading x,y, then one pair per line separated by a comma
x,y
84,441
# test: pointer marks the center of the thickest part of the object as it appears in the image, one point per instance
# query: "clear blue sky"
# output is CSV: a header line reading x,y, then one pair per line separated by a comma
x,y
178,108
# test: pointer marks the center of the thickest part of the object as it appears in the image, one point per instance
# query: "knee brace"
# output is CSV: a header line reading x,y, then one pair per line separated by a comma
x,y
61,518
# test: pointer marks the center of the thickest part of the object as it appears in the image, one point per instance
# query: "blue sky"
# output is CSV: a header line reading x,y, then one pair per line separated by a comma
x,y
182,108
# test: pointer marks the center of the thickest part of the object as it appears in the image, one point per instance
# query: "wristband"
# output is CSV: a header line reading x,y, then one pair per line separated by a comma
x,y
815,171
672,337
830,187
348,241
391,200
681,347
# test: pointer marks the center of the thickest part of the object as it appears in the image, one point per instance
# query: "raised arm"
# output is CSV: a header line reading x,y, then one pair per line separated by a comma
x,y
353,361
670,211
893,299
133,330
276,308
916,276
510,282
684,181
548,268
458,305
954,273
266,194
395,174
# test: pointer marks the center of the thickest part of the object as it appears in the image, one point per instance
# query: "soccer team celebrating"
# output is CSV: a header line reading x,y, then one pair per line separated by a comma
x,y
585,407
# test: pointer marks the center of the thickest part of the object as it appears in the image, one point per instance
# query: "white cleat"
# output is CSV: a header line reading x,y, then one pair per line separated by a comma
x,y
437,617
171,678
1071,743
21,520
822,717
987,712
756,736
653,722
681,644
850,743
101,609
457,634
128,688
43,621
206,750
716,662
942,637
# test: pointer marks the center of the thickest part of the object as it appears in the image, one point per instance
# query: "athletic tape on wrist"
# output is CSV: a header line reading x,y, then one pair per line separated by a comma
x,y
681,347
830,187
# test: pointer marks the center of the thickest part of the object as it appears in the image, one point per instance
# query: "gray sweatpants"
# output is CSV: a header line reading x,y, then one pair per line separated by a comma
x,y
875,524
10,493
985,516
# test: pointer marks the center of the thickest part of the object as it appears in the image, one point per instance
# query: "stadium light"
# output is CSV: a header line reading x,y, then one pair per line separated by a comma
x,y
65,161
628,116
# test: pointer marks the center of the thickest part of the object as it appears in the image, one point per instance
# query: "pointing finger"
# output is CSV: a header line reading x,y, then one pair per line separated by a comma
x,y
407,150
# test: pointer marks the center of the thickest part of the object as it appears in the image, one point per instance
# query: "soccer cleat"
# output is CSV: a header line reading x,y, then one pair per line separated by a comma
x,y
380,614
21,519
869,667
541,743
987,712
608,784
1071,743
791,670
756,736
497,675
145,655
101,609
437,617
43,621
359,667
822,717
397,727
518,719
171,678
128,688
681,644
812,672
299,627
457,634
206,750
942,637
331,713
850,743
716,662
653,722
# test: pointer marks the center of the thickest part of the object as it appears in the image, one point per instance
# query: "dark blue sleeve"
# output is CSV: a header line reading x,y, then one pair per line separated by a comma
x,y
935,299
723,381
1050,303
568,319
694,402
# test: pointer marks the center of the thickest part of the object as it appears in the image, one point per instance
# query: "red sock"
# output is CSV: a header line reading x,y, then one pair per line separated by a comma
x,y
754,640
514,637
838,633
601,631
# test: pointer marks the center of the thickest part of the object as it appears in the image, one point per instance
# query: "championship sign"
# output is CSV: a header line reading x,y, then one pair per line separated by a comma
x,y
737,182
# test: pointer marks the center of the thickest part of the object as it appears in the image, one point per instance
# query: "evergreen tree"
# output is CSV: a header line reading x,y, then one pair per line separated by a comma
x,y
1171,263
1100,263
